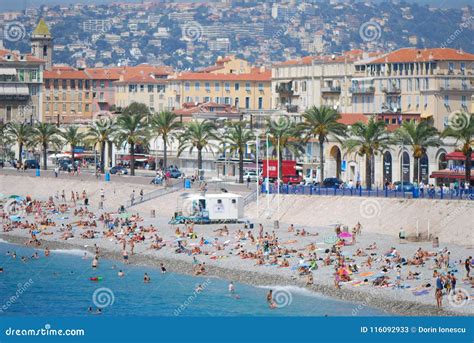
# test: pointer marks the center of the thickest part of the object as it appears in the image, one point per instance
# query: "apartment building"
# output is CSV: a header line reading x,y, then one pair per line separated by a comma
x,y
231,81
21,78
67,97
316,81
415,83
143,84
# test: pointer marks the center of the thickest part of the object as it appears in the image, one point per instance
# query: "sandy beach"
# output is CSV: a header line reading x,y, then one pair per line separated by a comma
x,y
222,259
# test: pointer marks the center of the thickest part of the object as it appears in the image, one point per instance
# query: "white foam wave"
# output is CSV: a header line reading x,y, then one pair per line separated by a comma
x,y
75,252
293,290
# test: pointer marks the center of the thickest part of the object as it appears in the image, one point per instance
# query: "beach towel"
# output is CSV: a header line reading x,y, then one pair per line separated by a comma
x,y
366,274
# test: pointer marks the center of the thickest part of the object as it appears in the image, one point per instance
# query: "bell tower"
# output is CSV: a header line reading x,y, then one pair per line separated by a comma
x,y
42,44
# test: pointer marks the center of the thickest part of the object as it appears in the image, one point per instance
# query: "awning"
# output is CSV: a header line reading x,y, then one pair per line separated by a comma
x,y
426,115
457,156
449,174
14,90
8,71
138,158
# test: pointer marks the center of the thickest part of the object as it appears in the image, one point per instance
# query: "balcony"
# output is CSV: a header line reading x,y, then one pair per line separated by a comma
x,y
292,108
333,89
284,89
362,90
391,90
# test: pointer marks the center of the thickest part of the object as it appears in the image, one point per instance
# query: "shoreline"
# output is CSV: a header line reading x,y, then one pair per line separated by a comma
x,y
176,265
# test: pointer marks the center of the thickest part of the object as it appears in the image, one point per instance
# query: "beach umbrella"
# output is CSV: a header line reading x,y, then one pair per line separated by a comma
x,y
14,196
330,239
345,235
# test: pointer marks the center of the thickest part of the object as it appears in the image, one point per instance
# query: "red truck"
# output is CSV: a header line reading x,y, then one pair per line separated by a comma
x,y
288,170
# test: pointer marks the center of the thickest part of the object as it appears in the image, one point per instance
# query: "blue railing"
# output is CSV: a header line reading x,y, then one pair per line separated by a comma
x,y
376,192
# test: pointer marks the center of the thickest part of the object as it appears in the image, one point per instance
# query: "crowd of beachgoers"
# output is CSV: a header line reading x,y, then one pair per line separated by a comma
x,y
342,256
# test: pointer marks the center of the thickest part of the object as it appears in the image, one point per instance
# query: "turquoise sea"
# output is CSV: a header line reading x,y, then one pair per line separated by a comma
x,y
60,285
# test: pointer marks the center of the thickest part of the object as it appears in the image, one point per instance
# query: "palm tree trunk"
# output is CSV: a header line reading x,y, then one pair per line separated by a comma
x,y
102,157
109,152
199,159
368,171
280,165
20,151
416,171
467,168
132,159
45,156
165,152
241,166
321,157
73,154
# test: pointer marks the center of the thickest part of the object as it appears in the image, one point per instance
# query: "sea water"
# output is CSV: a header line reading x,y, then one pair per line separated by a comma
x,y
60,285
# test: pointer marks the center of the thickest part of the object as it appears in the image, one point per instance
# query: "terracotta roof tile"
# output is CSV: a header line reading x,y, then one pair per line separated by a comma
x,y
424,55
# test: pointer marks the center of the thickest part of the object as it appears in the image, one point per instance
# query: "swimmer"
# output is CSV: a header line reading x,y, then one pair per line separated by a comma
x,y
84,257
163,269
95,262
121,273
270,300
232,291
1,269
199,289
35,255
146,278
46,252
14,255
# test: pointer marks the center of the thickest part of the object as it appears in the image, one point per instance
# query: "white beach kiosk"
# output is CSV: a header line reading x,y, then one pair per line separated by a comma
x,y
211,208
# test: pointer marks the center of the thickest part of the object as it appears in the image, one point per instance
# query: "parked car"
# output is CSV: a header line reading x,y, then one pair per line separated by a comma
x,y
31,164
332,182
252,174
2,163
65,165
407,186
174,173
119,170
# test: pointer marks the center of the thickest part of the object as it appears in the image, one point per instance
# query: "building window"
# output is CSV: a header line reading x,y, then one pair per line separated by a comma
x,y
227,86
446,100
142,88
152,99
464,102
207,99
237,86
47,107
260,87
260,103
463,68
151,88
64,84
189,99
236,102
207,85
87,108
217,100
227,100
187,85
102,84
303,86
79,84
451,68
217,86
197,86
72,84
247,86
247,102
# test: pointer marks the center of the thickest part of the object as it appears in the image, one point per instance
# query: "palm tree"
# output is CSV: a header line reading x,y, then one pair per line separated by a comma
x,y
100,133
420,136
20,133
322,124
73,137
43,134
132,130
163,124
368,139
199,135
283,134
5,139
236,138
463,132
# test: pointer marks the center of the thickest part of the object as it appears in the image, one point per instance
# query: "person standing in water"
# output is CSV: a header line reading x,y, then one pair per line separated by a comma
x,y
270,299
95,262
146,278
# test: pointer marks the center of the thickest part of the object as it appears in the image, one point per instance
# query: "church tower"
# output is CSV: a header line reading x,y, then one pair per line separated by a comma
x,y
42,44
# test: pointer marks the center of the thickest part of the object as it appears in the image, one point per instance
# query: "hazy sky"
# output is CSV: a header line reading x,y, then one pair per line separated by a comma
x,y
9,5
